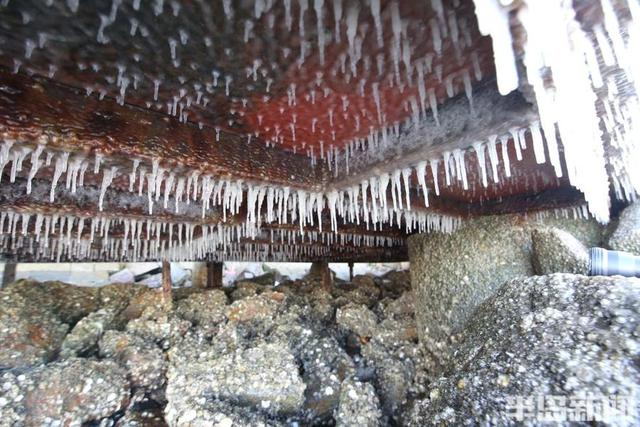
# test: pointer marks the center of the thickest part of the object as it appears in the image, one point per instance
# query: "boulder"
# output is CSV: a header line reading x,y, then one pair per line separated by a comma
x,y
70,392
451,274
365,291
358,406
143,414
252,309
164,330
29,334
205,310
325,366
555,335
395,283
264,377
144,361
357,319
83,339
626,236
244,289
556,251
69,303
205,413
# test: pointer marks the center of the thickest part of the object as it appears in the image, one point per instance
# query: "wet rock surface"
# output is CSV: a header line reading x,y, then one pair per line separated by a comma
x,y
555,335
453,273
297,354
358,406
257,353
68,392
556,251
626,236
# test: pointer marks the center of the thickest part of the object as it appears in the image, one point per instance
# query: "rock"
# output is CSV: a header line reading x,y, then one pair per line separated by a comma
x,y
626,236
29,334
395,283
264,377
357,319
144,361
555,335
321,302
325,366
164,330
204,413
556,251
401,308
143,414
151,301
451,274
365,291
83,339
70,392
205,310
68,303
244,289
252,309
359,405
117,296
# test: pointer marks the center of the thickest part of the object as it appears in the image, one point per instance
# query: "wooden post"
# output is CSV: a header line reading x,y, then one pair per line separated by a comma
x,y
351,271
214,274
9,273
166,280
327,280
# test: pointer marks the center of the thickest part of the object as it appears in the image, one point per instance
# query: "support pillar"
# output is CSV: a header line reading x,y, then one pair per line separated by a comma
x,y
327,280
9,273
453,274
351,272
214,274
166,280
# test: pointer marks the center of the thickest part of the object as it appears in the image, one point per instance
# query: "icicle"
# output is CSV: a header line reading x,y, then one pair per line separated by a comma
x,y
433,104
493,19
375,12
482,166
458,156
35,165
434,171
515,135
61,166
447,174
107,178
406,174
96,164
421,171
493,156
132,175
504,140
538,144
318,5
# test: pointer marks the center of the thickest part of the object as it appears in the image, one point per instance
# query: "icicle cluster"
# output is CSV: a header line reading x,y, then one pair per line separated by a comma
x,y
409,63
368,203
570,69
64,237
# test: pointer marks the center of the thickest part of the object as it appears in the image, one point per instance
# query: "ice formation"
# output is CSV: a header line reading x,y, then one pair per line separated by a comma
x,y
585,81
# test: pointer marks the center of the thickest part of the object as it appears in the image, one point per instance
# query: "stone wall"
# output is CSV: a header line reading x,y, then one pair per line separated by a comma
x,y
452,274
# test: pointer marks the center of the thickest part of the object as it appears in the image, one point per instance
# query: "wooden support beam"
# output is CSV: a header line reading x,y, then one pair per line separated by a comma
x,y
9,273
351,271
214,274
327,280
166,280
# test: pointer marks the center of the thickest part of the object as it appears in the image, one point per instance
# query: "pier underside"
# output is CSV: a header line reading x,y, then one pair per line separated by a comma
x,y
267,130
